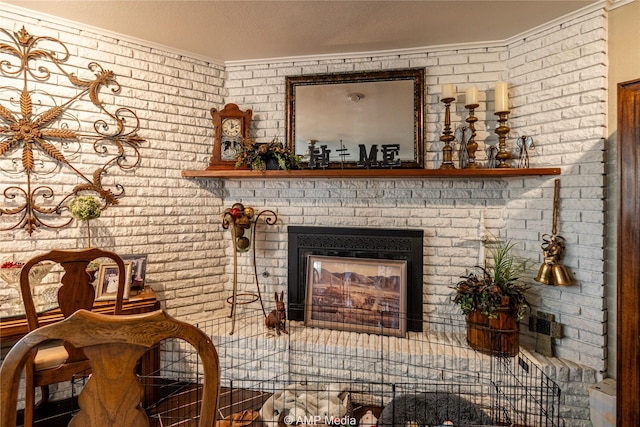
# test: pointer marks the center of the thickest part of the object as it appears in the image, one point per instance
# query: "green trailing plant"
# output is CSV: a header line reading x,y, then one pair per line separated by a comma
x,y
484,289
257,155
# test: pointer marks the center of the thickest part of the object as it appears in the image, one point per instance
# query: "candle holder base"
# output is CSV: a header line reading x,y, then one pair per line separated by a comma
x,y
447,166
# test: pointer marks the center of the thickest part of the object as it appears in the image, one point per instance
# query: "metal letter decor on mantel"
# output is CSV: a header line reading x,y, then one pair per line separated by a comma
x,y
46,158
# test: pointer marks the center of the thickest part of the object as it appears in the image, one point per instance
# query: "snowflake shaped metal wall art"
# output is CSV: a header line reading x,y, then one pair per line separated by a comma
x,y
46,158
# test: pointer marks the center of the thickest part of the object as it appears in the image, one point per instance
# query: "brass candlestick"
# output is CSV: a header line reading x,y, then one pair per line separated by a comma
x,y
447,137
472,145
502,130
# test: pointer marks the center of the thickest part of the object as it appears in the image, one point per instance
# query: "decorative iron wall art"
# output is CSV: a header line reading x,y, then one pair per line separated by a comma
x,y
46,156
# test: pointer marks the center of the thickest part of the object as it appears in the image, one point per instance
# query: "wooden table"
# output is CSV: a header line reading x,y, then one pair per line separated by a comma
x,y
14,328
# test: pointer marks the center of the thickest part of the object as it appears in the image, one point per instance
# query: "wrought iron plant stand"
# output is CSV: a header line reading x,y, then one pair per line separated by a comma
x,y
241,219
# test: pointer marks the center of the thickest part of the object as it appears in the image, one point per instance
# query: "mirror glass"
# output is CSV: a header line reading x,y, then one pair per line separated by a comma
x,y
344,111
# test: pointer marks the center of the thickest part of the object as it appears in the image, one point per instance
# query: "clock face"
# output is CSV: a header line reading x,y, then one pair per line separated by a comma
x,y
231,127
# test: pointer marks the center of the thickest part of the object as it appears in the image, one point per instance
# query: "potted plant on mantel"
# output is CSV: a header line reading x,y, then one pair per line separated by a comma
x,y
493,301
266,156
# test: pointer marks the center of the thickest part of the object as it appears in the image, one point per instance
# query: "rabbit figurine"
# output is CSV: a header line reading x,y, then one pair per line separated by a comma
x,y
277,318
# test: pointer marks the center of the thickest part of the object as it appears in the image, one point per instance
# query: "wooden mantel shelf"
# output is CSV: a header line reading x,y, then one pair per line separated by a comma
x,y
368,173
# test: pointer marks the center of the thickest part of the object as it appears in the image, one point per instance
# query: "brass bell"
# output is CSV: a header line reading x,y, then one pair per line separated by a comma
x,y
544,274
552,271
560,275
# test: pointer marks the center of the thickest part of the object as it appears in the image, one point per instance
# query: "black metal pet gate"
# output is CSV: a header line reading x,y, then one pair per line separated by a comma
x,y
321,376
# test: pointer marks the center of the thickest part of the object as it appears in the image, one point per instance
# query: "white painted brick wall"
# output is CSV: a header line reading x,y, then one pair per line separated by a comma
x,y
558,90
557,87
173,220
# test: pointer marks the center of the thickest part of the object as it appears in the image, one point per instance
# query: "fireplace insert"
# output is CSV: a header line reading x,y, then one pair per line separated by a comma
x,y
373,243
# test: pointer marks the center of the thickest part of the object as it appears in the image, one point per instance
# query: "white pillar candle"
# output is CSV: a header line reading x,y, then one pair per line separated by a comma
x,y
448,91
471,96
502,97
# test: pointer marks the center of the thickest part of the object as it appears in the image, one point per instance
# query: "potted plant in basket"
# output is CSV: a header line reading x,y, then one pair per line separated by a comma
x,y
493,301
271,155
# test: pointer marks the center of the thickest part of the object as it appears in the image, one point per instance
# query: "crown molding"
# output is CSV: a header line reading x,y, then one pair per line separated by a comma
x,y
614,4
356,55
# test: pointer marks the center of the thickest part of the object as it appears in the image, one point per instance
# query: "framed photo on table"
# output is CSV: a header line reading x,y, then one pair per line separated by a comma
x,y
356,294
107,287
139,270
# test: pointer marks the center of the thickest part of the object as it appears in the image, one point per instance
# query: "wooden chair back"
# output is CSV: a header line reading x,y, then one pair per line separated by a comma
x,y
76,293
113,344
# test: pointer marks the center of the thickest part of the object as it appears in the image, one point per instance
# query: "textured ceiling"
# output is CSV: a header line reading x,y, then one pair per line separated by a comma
x,y
252,30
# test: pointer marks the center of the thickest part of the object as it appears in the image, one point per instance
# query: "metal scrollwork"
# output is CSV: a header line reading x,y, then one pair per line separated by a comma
x,y
524,143
41,138
241,218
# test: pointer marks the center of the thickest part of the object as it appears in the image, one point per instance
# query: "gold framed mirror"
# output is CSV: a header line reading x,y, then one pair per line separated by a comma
x,y
345,111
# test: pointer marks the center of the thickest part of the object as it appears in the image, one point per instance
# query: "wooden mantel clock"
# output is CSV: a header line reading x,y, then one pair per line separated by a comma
x,y
230,127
